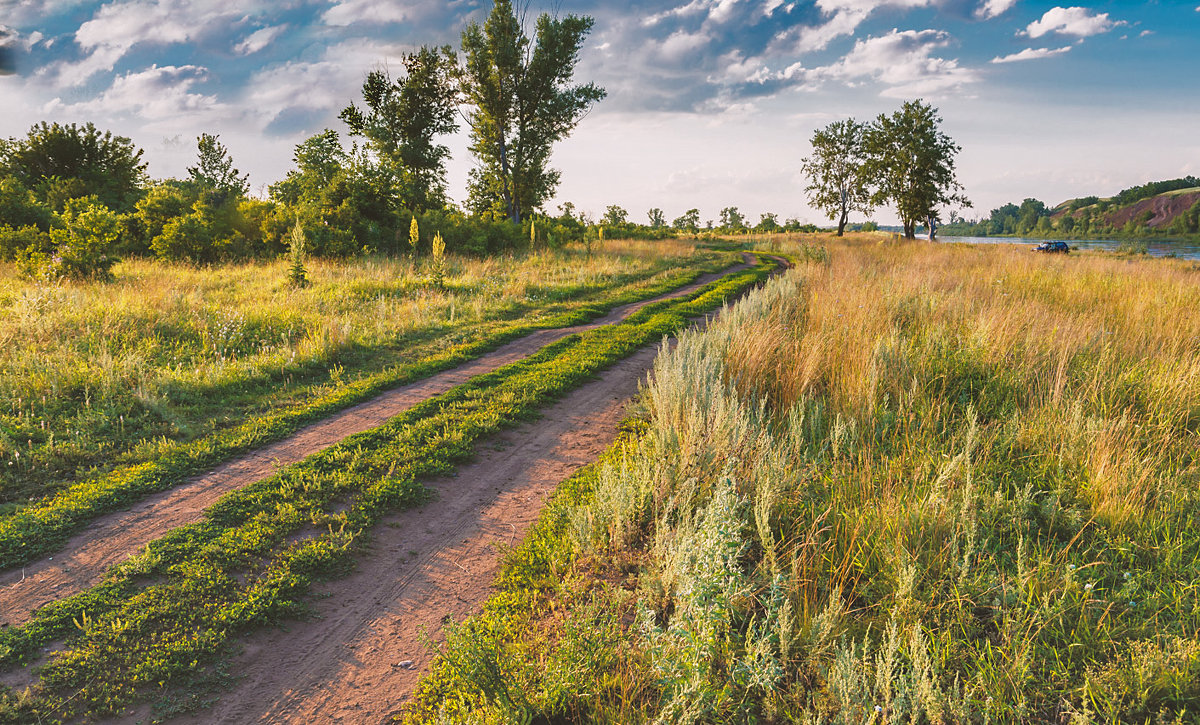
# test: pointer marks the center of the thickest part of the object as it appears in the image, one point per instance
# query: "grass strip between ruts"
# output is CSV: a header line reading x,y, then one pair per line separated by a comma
x,y
43,527
178,605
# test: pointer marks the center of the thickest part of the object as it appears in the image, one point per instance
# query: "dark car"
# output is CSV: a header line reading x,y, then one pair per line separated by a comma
x,y
1053,247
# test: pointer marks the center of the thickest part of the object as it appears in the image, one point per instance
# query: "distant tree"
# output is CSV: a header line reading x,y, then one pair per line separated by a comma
x,y
768,223
658,220
689,221
837,182
522,104
912,161
214,171
318,159
78,159
615,215
20,208
732,219
402,120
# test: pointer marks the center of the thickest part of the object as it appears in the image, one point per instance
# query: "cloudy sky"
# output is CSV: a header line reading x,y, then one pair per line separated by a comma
x,y
711,102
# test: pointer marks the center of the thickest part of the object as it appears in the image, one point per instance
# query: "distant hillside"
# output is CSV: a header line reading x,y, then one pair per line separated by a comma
x,y
1160,208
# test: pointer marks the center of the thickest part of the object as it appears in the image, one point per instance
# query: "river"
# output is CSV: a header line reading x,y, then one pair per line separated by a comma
x,y
1183,250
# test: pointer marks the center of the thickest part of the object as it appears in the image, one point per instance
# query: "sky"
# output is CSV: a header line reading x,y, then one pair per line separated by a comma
x,y
711,103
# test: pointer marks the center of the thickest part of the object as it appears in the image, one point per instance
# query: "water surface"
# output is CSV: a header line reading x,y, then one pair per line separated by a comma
x,y
1183,250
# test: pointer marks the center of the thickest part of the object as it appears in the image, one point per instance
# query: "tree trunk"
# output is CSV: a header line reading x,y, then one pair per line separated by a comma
x,y
842,223
506,180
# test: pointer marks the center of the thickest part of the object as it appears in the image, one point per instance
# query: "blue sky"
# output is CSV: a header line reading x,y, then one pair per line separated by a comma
x,y
711,102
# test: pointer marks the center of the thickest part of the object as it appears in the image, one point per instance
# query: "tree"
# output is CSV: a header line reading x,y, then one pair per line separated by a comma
x,y
837,182
732,219
214,171
318,160
690,221
768,222
912,163
523,103
615,215
658,220
403,119
78,158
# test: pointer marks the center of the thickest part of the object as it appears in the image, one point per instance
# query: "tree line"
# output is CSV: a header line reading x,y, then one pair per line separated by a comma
x,y
73,198
903,159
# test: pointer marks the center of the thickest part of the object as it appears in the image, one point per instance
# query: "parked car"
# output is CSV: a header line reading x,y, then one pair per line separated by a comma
x,y
1053,247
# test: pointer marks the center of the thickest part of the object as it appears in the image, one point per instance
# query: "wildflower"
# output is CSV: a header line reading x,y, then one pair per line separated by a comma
x,y
878,708
1087,587
1128,576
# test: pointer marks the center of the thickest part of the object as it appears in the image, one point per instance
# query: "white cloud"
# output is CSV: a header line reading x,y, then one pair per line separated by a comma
x,y
903,61
118,26
1031,54
351,12
1076,21
157,94
994,8
842,18
259,39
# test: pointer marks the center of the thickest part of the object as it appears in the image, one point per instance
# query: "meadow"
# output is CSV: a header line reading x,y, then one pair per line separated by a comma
x,y
97,374
162,623
905,482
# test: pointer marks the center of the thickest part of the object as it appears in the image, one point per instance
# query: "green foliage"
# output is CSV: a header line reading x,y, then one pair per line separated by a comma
x,y
20,208
732,220
657,219
836,171
438,253
297,274
82,247
1154,188
403,119
79,160
912,163
689,221
522,104
214,173
615,215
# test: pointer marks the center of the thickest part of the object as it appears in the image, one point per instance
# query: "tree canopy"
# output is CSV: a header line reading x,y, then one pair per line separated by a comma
x,y
62,162
911,162
837,182
523,102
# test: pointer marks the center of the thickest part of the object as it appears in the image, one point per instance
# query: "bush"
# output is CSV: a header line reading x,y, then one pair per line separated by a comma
x,y
81,248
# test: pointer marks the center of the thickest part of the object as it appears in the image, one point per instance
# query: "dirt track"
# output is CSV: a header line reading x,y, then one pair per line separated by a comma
x,y
111,539
425,563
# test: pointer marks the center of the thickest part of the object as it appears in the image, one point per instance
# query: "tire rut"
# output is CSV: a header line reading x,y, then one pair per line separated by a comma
x,y
112,538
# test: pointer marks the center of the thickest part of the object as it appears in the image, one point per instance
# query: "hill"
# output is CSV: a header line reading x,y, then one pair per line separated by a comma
x,y
1160,208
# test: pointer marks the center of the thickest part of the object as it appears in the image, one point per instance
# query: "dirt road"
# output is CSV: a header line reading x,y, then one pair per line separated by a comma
x,y
111,539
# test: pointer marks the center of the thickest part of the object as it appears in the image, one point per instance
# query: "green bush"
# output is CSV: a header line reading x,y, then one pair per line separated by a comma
x,y
81,248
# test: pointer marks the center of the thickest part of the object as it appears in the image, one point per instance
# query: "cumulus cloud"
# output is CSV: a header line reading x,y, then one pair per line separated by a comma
x,y
994,8
1031,54
903,61
1076,21
159,93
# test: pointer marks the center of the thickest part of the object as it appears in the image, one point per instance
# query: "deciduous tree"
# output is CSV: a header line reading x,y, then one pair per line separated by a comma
x,y
402,121
523,102
837,182
911,163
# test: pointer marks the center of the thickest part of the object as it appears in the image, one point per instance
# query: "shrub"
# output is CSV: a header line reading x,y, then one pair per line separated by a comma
x,y
81,248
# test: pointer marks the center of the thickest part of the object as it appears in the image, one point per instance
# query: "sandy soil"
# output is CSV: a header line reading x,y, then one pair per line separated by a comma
x,y
111,539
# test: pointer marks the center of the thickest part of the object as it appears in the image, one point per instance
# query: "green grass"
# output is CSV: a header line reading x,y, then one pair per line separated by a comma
x,y
40,527
181,603
906,483
96,375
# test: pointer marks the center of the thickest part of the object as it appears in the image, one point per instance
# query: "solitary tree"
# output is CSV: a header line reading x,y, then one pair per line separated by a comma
x,y
402,121
658,220
912,162
81,157
214,171
523,103
837,184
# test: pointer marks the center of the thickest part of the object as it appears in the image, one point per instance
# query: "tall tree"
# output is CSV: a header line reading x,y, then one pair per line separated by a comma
x,y
77,157
523,103
912,162
402,121
658,219
732,219
615,214
214,171
837,184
